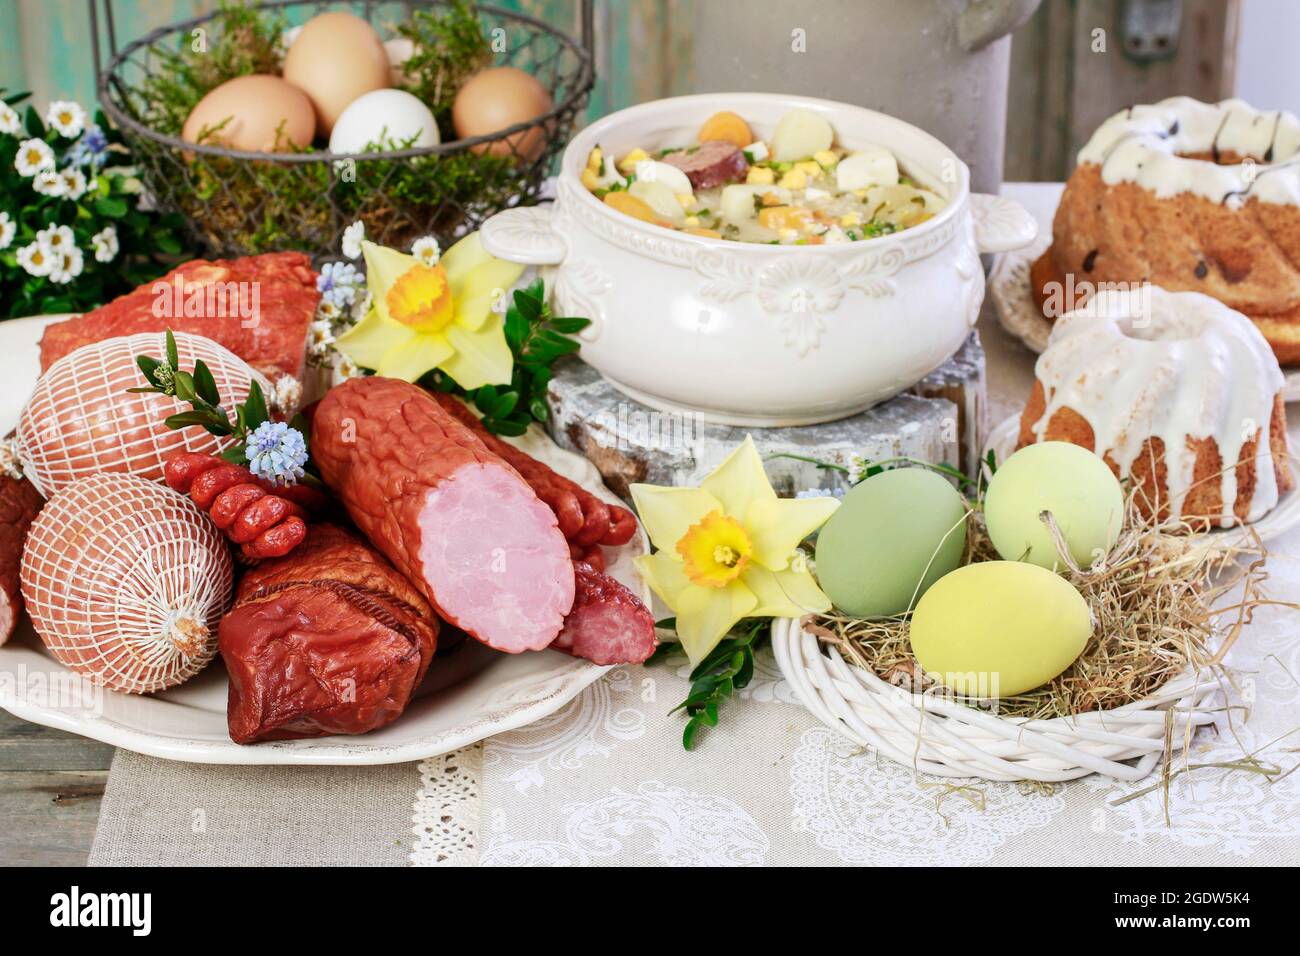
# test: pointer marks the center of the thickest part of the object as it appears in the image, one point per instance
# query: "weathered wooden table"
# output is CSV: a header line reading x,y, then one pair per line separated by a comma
x,y
50,787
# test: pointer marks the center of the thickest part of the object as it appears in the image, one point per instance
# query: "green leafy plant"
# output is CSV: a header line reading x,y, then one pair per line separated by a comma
x,y
728,667
72,233
198,388
537,338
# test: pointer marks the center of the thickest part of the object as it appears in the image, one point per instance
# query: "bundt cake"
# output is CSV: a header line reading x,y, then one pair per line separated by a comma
x,y
1192,197
1176,392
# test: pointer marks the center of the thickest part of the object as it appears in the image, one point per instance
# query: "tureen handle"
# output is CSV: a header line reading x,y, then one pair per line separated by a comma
x,y
1001,224
524,234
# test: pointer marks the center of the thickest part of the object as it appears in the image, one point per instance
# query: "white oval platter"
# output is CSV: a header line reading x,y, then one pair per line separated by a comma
x,y
471,694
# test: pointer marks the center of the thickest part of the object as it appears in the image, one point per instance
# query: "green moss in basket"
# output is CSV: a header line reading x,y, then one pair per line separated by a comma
x,y
449,49
240,40
72,234
260,207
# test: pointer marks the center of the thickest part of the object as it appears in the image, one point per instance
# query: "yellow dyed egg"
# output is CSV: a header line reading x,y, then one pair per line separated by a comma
x,y
1077,487
894,535
999,628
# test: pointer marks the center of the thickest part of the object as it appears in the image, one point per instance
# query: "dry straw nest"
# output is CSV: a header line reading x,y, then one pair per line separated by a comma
x,y
1167,604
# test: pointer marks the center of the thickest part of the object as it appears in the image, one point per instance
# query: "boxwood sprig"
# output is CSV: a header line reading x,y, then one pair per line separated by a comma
x,y
537,338
727,668
198,388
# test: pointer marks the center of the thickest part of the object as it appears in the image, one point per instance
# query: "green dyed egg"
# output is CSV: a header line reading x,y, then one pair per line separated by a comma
x,y
1072,483
999,628
894,535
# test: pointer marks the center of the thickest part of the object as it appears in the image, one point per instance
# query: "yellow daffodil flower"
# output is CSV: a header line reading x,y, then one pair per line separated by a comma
x,y
728,550
434,316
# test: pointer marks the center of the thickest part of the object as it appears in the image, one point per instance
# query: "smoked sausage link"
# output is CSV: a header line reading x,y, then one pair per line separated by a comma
x,y
584,518
328,640
456,519
19,504
265,520
608,623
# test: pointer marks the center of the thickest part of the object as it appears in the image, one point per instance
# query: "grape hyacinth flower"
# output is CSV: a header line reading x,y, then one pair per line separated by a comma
x,y
91,149
338,283
276,453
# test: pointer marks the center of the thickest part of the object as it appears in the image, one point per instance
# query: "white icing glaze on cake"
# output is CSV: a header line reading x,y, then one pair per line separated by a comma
x,y
1150,363
1148,145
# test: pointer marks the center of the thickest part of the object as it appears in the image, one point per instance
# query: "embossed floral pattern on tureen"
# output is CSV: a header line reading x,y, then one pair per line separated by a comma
x,y
580,288
528,231
797,291
867,809
653,824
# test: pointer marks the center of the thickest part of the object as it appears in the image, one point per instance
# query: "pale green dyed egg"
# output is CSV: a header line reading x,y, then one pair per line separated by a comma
x,y
999,628
894,535
1076,486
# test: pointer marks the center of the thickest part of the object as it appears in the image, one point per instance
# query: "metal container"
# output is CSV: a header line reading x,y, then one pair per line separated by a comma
x,y
941,65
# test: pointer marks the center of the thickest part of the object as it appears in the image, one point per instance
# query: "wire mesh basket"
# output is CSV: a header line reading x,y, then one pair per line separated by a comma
x,y
240,203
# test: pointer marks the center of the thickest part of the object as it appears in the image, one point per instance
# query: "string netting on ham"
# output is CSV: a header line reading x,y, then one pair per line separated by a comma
x,y
126,582
81,420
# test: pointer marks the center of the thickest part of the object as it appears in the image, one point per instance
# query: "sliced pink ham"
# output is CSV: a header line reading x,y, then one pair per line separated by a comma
x,y
457,520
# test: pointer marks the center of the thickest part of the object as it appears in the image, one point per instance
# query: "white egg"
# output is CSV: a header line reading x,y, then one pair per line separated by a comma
x,y
870,167
651,170
399,50
658,197
386,118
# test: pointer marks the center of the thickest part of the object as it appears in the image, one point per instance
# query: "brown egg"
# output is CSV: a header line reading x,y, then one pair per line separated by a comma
x,y
335,59
497,98
246,113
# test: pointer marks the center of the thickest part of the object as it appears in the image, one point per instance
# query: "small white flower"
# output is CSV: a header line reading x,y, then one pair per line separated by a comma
x,y
10,463
50,183
67,117
57,238
286,394
74,183
352,237
7,229
327,311
345,369
35,259
105,243
34,155
427,250
68,264
320,336
9,122
361,307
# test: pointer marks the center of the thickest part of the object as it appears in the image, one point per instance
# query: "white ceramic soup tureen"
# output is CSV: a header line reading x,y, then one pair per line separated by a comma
x,y
757,334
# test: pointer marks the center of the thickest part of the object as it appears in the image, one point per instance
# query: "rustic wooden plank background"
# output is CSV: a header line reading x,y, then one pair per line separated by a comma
x,y
1060,88
50,788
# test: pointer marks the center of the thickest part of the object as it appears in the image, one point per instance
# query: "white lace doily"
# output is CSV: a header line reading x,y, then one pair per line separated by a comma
x,y
446,812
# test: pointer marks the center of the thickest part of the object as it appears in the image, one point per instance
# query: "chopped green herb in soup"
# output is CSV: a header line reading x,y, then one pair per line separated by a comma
x,y
798,188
